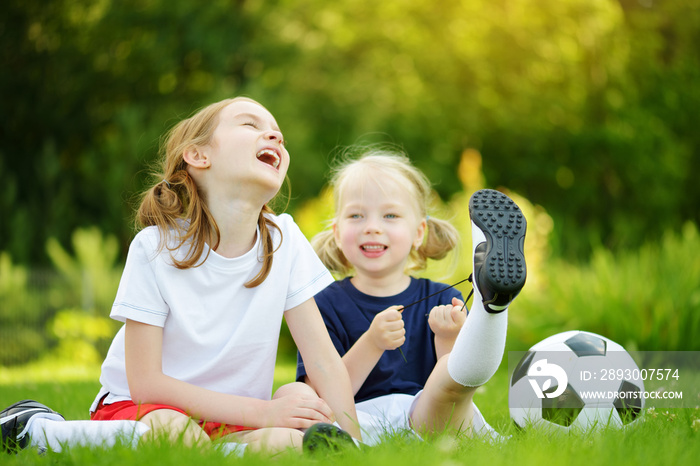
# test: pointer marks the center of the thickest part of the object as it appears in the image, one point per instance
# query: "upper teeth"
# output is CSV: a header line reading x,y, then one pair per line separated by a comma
x,y
273,154
372,246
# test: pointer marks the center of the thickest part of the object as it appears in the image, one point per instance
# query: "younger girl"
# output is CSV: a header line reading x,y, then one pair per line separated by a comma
x,y
381,232
205,286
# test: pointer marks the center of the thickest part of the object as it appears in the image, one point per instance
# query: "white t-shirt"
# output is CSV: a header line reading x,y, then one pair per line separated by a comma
x,y
217,334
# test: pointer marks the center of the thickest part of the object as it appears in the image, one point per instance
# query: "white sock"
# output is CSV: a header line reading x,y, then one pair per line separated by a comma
x,y
479,347
49,433
481,342
232,448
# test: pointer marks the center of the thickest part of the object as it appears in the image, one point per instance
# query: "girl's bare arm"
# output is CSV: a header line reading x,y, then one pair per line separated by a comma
x,y
324,368
148,384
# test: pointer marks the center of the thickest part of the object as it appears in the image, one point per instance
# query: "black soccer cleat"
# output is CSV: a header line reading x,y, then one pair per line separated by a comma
x,y
13,421
324,437
499,260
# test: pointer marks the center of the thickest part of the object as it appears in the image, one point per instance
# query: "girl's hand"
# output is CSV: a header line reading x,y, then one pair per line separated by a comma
x,y
387,329
446,320
298,411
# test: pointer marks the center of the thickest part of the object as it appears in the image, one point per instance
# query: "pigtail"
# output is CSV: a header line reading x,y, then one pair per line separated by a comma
x,y
160,205
170,201
330,254
442,237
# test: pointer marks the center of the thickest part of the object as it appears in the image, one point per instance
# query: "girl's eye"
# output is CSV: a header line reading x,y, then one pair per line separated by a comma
x,y
355,216
250,123
391,216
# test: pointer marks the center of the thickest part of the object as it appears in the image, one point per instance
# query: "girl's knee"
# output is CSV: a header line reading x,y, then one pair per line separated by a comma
x,y
174,427
295,387
273,440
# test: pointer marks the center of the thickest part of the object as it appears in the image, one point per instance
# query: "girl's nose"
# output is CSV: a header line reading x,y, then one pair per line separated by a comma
x,y
273,135
373,225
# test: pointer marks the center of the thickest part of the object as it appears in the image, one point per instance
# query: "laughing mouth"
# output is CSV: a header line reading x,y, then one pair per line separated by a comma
x,y
269,157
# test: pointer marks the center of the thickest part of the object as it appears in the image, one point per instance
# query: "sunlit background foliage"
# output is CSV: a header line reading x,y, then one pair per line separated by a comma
x,y
583,110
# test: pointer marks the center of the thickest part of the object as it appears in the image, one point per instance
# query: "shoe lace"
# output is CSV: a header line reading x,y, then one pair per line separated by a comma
x,y
468,279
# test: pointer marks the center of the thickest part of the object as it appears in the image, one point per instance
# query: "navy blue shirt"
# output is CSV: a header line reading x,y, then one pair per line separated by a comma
x,y
348,314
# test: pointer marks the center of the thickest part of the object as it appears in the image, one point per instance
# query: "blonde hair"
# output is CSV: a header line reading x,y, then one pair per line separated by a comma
x,y
176,197
441,238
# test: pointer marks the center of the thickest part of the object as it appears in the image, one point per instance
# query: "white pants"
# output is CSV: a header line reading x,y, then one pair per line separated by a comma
x,y
390,414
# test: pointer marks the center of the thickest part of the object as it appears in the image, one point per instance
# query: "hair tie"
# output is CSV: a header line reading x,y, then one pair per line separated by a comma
x,y
166,182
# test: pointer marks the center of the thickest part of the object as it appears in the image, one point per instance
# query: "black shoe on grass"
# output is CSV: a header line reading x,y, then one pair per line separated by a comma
x,y
324,437
13,421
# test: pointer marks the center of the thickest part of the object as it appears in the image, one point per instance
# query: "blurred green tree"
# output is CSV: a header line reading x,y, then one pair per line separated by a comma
x,y
586,107
573,103
87,89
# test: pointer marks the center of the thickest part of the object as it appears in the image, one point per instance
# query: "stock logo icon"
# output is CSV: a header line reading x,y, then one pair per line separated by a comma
x,y
551,371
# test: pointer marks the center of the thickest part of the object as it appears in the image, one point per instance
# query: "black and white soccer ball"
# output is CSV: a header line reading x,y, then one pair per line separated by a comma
x,y
576,381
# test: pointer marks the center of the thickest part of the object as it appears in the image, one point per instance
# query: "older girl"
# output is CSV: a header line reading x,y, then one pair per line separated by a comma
x,y
206,284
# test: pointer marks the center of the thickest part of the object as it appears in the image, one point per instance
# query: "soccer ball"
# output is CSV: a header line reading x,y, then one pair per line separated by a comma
x,y
576,381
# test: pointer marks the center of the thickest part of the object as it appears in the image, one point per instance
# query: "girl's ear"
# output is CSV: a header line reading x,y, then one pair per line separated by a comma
x,y
336,235
196,157
420,233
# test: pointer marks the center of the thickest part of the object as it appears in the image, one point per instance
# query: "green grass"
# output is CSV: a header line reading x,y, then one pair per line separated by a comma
x,y
668,437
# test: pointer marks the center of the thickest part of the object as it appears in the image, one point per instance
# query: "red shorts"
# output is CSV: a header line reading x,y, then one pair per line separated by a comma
x,y
129,411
